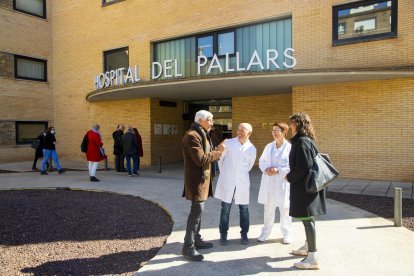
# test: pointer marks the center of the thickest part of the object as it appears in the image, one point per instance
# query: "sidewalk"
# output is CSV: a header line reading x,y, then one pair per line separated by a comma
x,y
350,241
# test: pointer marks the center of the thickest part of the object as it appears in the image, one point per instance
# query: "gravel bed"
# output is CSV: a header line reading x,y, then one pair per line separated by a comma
x,y
70,232
379,205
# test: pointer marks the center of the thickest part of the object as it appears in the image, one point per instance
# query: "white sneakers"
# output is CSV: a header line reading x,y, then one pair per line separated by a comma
x,y
262,237
310,262
287,240
303,251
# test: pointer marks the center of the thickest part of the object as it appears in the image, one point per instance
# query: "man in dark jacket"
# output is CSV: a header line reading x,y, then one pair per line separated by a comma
x,y
130,150
198,156
118,151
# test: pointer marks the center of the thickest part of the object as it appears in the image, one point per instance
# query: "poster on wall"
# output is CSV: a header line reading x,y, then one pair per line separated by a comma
x,y
174,129
158,129
166,129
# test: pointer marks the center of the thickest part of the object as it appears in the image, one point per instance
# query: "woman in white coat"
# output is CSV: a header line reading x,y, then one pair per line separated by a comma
x,y
274,189
234,182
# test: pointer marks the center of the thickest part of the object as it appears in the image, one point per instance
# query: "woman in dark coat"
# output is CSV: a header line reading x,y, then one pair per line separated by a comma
x,y
139,141
39,150
304,206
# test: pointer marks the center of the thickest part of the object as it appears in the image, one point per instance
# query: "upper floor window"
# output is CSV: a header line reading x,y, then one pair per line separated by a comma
x,y
221,43
114,59
26,132
365,20
30,68
33,7
109,2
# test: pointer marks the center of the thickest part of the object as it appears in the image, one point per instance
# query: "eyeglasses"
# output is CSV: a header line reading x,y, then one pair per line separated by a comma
x,y
276,130
210,120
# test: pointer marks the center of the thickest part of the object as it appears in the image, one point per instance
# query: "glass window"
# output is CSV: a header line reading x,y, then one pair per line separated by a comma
x,y
205,46
30,68
26,132
114,59
226,43
366,20
33,7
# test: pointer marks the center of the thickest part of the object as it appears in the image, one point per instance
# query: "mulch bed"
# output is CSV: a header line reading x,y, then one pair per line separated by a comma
x,y
379,205
69,232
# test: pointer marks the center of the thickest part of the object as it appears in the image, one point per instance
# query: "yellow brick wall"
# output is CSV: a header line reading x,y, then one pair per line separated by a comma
x,y
24,100
261,112
168,147
367,127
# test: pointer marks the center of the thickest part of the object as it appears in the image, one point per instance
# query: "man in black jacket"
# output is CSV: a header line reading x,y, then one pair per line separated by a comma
x,y
118,151
130,147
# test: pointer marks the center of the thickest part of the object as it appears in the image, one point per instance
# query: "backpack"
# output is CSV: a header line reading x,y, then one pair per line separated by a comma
x,y
84,144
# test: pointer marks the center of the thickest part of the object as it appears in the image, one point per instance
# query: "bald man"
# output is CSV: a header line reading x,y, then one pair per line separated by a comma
x,y
234,181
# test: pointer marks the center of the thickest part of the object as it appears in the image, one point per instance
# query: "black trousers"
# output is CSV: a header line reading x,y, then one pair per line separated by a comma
x,y
192,233
119,162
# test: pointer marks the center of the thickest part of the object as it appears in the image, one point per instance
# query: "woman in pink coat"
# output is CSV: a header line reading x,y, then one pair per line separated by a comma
x,y
95,152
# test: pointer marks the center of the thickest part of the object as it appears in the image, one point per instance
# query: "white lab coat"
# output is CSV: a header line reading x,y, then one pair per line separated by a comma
x,y
275,185
236,162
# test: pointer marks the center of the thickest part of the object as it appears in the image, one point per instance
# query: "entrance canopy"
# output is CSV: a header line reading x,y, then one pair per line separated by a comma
x,y
239,85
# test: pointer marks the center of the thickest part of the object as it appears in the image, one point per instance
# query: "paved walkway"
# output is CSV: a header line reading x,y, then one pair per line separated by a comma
x,y
350,240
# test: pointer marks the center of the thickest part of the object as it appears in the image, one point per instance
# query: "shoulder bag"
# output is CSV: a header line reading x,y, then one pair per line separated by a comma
x,y
321,174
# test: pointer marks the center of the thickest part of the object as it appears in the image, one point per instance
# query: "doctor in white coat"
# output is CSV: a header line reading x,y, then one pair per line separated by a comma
x,y
274,188
234,182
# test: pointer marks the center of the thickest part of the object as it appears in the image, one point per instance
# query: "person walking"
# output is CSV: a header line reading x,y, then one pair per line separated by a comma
x,y
49,150
130,150
304,206
198,155
118,151
274,189
40,141
140,150
234,181
95,152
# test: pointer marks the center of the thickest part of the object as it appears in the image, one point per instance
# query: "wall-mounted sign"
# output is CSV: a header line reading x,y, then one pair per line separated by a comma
x,y
166,129
170,69
158,129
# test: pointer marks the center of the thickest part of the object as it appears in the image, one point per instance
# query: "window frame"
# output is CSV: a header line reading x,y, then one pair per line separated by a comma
x,y
105,53
26,12
16,76
104,3
391,34
17,123
215,42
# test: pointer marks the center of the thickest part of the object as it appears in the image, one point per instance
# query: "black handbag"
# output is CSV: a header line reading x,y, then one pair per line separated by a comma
x,y
321,174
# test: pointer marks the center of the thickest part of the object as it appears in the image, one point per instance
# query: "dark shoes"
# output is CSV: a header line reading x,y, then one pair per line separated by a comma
x,y
34,168
190,253
203,245
94,179
244,239
43,172
61,171
223,239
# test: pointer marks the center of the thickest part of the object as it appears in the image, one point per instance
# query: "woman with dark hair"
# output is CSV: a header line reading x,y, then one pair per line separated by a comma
x,y
49,150
304,206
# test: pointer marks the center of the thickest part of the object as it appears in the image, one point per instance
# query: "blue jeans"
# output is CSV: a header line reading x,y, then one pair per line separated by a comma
x,y
46,155
224,218
128,163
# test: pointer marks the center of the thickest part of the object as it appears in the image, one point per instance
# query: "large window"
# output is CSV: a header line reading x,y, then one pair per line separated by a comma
x,y
26,132
365,20
30,68
216,43
114,59
33,7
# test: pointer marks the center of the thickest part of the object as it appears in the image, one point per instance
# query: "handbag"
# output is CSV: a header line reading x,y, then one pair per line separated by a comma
x,y
321,174
35,144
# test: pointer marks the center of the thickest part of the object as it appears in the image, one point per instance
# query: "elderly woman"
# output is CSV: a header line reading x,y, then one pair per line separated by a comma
x,y
95,153
274,189
304,206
